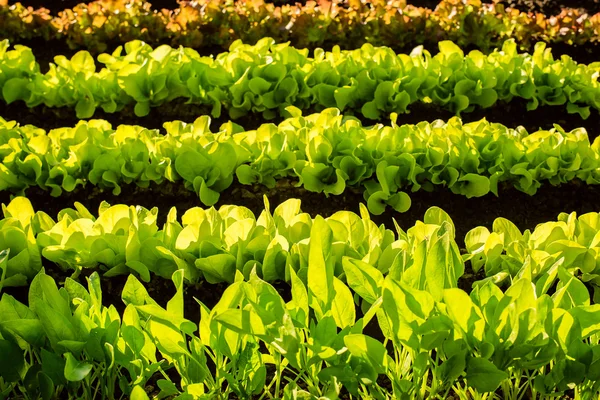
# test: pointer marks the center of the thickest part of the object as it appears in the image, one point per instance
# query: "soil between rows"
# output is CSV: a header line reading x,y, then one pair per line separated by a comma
x,y
511,114
547,7
553,7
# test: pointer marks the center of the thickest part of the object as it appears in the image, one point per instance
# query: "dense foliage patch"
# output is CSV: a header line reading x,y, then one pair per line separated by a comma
x,y
267,77
324,153
283,304
432,338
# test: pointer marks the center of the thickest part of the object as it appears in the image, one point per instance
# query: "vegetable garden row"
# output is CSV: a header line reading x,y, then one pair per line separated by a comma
x,y
333,200
208,24
266,78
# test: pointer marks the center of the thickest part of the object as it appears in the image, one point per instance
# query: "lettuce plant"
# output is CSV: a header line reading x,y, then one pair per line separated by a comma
x,y
549,255
20,259
231,243
66,343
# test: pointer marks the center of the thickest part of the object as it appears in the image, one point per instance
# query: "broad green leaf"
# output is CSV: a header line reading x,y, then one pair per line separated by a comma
x,y
368,349
134,338
464,313
320,270
167,339
53,366
20,208
452,369
135,293
16,89
175,306
443,266
159,313
46,385
138,393
588,318
364,279
242,321
342,307
483,375
75,370
12,367
299,300
405,308
573,292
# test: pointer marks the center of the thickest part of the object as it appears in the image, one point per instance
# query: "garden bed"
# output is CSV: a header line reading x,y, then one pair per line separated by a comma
x,y
490,309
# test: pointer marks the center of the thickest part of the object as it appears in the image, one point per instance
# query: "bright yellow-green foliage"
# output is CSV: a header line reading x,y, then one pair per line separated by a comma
x,y
346,276
267,77
324,152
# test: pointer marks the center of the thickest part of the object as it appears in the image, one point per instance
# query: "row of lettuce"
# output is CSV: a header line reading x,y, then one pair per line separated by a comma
x,y
207,24
324,153
266,78
366,306
217,246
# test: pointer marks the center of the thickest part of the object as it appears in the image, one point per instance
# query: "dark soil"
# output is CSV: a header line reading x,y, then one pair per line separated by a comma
x,y
511,114
55,6
553,7
432,4
547,7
